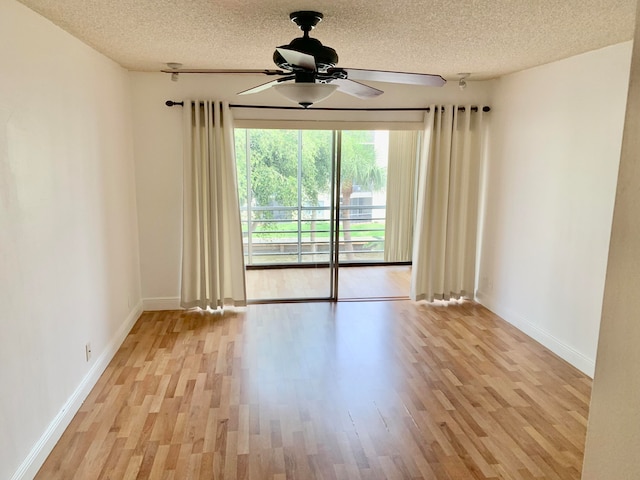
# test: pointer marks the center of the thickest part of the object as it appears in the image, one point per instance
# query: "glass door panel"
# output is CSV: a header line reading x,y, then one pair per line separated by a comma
x,y
284,179
364,267
363,176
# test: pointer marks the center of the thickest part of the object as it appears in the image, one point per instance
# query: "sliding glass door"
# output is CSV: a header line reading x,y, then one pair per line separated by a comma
x,y
297,242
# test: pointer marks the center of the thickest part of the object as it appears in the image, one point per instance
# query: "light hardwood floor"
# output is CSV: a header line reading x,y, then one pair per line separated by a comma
x,y
373,390
382,281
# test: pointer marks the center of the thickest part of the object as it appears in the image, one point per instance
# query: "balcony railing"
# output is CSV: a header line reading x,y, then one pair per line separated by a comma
x,y
299,235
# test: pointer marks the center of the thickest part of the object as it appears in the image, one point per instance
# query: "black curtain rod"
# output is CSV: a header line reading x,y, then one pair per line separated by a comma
x,y
171,103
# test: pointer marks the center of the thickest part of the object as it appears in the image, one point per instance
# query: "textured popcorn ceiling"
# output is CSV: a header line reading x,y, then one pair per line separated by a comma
x,y
487,38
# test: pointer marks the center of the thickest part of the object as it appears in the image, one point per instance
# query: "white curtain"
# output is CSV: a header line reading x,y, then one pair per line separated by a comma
x,y
212,252
401,177
444,245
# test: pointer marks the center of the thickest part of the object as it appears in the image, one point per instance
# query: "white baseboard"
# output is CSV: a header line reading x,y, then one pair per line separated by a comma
x,y
43,447
583,363
161,303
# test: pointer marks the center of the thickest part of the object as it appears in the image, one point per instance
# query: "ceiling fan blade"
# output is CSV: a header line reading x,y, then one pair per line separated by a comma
x,y
308,62
236,72
394,77
264,86
356,89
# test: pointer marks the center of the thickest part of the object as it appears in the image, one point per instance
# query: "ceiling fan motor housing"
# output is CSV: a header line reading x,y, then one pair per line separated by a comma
x,y
326,57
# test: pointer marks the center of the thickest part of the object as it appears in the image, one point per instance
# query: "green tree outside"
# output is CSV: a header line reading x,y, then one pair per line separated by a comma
x,y
274,170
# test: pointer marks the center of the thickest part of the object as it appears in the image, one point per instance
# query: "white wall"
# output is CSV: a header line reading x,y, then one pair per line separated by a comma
x,y
550,185
613,433
69,269
158,152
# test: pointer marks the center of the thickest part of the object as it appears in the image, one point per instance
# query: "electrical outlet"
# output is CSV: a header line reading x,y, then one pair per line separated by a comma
x,y
486,284
87,351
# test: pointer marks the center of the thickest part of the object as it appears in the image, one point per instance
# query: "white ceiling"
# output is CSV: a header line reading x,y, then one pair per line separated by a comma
x,y
486,38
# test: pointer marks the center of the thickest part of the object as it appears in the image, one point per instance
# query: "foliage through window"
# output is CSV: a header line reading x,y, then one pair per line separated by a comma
x,y
284,185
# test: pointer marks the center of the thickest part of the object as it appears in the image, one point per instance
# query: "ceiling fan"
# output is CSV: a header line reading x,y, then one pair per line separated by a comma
x,y
309,73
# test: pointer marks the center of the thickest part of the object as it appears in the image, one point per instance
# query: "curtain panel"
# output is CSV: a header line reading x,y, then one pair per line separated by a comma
x,y
401,179
444,244
212,250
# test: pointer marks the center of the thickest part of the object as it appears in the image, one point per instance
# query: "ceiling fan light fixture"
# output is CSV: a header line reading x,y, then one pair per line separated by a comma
x,y
305,94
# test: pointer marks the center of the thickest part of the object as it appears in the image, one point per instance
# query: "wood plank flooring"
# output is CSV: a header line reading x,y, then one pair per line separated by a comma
x,y
377,390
